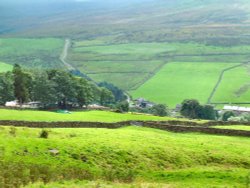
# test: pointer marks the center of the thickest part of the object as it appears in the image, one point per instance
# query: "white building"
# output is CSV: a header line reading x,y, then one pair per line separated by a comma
x,y
237,109
25,105
12,104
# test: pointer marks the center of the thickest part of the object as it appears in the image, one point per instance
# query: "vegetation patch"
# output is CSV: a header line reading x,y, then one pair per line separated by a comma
x,y
92,116
32,53
4,67
234,127
233,87
115,62
178,81
125,155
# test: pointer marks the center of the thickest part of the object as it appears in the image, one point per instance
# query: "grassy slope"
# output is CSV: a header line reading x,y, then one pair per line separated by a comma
x,y
99,116
234,127
5,67
125,81
132,153
94,184
182,80
105,60
36,53
235,86
156,48
118,66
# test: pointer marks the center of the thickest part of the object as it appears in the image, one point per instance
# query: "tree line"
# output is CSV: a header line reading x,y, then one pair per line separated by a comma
x,y
192,109
54,88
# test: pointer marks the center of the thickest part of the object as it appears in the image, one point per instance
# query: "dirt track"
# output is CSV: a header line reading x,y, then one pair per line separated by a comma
x,y
64,54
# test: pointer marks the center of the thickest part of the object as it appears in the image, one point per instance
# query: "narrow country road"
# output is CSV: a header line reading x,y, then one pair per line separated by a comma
x,y
128,97
64,54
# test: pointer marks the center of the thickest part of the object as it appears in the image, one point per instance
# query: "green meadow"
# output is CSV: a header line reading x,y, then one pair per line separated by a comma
x,y
92,116
4,67
177,81
124,74
235,86
234,127
161,72
158,48
126,156
94,184
147,70
32,52
121,80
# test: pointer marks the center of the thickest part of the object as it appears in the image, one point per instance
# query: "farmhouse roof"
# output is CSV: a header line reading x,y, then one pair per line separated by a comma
x,y
237,108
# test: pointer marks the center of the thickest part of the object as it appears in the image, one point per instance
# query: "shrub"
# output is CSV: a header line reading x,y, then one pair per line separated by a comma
x,y
44,134
246,117
160,110
194,110
190,108
72,135
227,115
236,119
122,107
12,131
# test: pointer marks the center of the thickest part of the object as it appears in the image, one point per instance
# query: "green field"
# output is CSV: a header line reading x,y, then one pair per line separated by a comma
x,y
177,71
127,44
92,116
121,80
150,49
126,154
182,80
143,68
235,86
5,67
94,184
234,127
32,53
123,155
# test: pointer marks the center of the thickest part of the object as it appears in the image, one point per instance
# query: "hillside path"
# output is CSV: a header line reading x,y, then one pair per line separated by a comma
x,y
64,54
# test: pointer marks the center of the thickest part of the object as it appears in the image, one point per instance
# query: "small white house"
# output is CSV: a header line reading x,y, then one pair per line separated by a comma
x,y
15,104
12,104
143,103
97,107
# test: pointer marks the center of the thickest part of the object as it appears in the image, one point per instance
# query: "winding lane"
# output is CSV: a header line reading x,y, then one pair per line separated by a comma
x,y
64,55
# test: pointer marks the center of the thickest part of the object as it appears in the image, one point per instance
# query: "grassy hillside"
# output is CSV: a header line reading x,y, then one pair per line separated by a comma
x,y
182,80
94,184
144,20
123,155
93,116
32,53
128,42
105,59
5,67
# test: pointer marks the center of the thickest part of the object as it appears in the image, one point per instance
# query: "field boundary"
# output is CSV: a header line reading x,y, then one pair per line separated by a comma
x,y
199,129
121,72
173,126
148,77
220,80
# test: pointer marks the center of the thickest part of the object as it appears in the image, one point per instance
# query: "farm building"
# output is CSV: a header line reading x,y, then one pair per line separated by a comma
x,y
15,104
142,103
97,107
237,109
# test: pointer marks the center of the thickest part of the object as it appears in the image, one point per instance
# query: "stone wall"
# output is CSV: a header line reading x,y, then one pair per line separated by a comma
x,y
200,129
174,126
